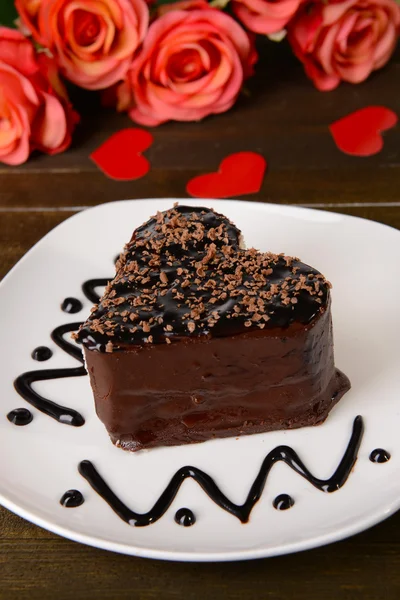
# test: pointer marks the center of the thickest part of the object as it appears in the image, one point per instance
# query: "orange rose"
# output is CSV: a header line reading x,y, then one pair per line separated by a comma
x,y
33,113
192,64
94,41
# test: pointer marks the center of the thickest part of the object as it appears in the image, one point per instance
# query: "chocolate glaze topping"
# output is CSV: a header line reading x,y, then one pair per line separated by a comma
x,y
184,274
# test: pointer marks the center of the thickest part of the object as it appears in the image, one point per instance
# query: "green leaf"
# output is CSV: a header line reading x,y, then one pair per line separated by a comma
x,y
8,13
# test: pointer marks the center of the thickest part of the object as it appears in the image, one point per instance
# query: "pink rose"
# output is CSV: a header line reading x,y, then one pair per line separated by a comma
x,y
192,64
265,16
33,113
344,40
94,41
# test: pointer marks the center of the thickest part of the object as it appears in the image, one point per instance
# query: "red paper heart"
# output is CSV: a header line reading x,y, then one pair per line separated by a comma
x,y
359,133
120,156
238,174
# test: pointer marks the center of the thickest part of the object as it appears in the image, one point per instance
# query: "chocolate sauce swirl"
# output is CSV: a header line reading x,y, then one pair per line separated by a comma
x,y
23,383
242,512
89,288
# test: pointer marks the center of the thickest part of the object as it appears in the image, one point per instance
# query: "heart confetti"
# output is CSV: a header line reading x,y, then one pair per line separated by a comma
x,y
120,157
238,174
359,133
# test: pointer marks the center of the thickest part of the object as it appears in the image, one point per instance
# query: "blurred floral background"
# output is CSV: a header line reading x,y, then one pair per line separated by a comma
x,y
161,61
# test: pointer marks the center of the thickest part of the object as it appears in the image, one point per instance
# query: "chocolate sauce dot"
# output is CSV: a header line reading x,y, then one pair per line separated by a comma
x,y
71,305
379,455
283,502
72,499
42,353
185,517
20,416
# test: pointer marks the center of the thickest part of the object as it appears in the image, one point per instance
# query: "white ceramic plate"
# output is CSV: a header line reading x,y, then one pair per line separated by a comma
x,y
39,462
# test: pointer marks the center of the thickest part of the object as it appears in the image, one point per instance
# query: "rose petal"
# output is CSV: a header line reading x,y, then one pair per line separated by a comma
x,y
50,127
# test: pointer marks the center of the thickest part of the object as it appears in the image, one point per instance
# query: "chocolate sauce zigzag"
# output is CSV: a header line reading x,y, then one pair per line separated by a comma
x,y
285,454
23,383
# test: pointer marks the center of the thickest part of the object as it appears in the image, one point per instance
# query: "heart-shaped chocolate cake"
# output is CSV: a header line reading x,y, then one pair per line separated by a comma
x,y
197,337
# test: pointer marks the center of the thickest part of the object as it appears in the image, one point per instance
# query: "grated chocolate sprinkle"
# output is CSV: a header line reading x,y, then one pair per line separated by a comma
x,y
184,274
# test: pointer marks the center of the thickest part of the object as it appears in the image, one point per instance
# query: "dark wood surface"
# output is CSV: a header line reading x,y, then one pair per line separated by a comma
x,y
286,120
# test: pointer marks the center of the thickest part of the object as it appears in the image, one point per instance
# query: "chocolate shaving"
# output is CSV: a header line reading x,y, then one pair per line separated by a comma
x,y
184,274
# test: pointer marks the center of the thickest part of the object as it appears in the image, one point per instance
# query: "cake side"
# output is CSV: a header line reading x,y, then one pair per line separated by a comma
x,y
195,390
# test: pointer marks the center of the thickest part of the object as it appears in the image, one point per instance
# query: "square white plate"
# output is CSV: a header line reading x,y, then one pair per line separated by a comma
x,y
39,461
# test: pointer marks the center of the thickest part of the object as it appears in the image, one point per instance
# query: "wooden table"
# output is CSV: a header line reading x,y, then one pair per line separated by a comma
x,y
286,120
